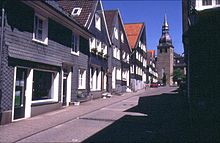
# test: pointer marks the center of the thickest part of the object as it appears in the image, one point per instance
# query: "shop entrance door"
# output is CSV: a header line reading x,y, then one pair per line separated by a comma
x,y
20,87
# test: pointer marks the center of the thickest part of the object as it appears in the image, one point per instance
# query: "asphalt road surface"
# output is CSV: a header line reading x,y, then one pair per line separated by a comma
x,y
157,114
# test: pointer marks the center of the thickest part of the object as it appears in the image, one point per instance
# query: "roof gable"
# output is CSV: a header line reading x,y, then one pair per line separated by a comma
x,y
110,20
133,31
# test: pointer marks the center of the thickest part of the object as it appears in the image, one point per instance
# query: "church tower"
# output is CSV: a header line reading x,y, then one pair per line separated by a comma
x,y
165,56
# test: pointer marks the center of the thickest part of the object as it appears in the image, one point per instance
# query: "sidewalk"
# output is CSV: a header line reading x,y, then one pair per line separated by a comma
x,y
21,129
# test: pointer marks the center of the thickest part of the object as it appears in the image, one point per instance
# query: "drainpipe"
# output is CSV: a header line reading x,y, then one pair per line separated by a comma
x,y
2,28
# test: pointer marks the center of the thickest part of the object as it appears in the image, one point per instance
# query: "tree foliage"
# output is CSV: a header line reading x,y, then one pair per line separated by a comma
x,y
178,75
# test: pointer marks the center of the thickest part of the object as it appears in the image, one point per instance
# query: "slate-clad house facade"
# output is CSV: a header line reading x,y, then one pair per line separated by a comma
x,y
90,14
201,32
120,51
136,34
43,52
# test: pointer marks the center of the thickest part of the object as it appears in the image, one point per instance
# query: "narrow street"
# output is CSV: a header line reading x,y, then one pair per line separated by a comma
x,y
156,114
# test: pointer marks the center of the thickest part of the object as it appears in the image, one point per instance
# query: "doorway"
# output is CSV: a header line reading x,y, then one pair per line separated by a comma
x,y
65,75
20,87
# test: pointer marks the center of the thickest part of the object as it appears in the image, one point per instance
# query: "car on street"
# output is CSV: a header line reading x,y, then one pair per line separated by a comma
x,y
154,85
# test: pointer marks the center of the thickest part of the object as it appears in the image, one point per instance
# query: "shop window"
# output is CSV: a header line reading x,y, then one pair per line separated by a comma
x,y
75,44
206,2
82,79
40,29
42,85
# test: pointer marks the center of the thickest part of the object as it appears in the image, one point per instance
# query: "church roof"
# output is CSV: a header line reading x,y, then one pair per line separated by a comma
x,y
133,30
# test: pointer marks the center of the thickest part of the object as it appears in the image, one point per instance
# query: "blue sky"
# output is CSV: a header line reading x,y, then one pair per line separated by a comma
x,y
152,13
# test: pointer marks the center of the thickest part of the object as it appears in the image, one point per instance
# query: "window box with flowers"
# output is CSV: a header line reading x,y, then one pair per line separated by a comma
x,y
106,56
100,53
94,50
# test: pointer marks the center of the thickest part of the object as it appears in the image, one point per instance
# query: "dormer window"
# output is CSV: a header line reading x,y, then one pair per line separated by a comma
x,y
98,22
76,11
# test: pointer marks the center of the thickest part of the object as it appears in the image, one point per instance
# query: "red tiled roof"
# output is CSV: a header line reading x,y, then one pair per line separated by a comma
x,y
151,52
133,31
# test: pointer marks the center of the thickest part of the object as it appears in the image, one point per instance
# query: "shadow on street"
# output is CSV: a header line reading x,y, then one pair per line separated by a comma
x,y
167,121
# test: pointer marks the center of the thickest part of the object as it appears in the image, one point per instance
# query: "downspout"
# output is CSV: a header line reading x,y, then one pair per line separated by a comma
x,y
2,30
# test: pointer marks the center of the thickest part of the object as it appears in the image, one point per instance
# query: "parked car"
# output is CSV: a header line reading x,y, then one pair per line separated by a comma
x,y
154,85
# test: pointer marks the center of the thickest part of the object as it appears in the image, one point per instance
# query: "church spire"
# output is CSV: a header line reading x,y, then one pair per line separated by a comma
x,y
165,27
165,37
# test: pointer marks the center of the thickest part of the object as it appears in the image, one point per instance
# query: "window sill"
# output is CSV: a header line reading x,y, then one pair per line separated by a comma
x,y
41,102
41,42
74,53
82,88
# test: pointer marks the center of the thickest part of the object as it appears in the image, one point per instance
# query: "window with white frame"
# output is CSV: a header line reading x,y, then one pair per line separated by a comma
x,y
136,72
124,56
139,44
117,54
114,52
98,45
92,43
82,79
206,2
75,43
40,29
122,37
98,22
217,2
118,74
116,33
127,57
104,48
133,68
